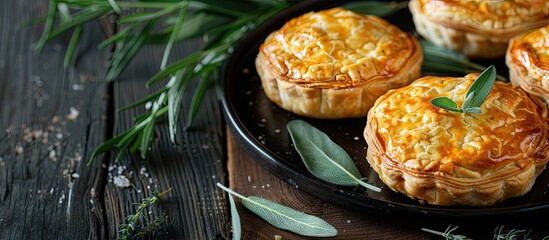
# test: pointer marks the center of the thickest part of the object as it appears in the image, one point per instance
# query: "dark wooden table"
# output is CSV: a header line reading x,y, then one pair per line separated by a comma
x,y
52,118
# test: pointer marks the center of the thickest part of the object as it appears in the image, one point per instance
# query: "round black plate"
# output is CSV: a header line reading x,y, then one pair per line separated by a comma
x,y
261,127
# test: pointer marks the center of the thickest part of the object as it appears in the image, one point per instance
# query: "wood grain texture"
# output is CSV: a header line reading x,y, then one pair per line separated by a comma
x,y
196,208
46,190
251,179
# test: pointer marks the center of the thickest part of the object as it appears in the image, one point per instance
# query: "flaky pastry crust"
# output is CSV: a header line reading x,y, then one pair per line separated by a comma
x,y
528,61
448,158
335,63
477,28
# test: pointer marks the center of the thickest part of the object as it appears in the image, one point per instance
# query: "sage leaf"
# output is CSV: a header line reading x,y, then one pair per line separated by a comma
x,y
283,217
289,219
481,87
445,103
475,110
235,220
324,158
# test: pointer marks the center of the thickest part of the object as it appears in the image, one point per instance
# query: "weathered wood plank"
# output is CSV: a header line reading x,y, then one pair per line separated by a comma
x,y
195,207
51,118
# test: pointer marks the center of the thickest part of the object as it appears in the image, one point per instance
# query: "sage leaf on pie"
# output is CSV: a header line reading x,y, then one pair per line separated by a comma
x,y
475,96
323,157
283,217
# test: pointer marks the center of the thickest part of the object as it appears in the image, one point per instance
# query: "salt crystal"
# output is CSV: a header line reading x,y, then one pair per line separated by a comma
x,y
121,181
73,113
18,149
356,138
52,155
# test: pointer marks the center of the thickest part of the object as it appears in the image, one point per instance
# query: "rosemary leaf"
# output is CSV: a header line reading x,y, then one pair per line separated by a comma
x,y
171,69
80,18
144,100
122,35
197,24
148,16
198,95
323,157
48,26
73,44
115,6
284,217
123,58
64,13
178,85
175,33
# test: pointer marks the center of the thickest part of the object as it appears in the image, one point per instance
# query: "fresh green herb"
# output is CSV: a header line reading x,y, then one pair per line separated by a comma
x,y
235,219
439,60
166,22
379,8
323,157
475,96
499,234
283,217
140,225
448,233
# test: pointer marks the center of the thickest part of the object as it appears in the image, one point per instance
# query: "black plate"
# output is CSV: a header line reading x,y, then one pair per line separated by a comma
x,y
261,127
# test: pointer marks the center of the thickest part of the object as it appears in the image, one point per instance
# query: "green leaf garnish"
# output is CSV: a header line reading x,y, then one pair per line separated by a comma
x,y
446,103
284,217
235,219
475,96
324,158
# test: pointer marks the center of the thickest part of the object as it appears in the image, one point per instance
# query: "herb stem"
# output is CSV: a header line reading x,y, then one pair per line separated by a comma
x,y
230,191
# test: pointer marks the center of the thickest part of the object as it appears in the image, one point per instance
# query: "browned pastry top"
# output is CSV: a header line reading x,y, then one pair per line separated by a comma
x,y
337,48
494,17
511,130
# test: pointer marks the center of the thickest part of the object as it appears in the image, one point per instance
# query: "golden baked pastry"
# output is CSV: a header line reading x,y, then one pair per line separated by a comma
x,y
449,158
334,64
477,28
528,61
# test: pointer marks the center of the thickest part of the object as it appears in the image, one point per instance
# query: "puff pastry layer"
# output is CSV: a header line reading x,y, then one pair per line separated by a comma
x,y
335,63
528,61
477,28
447,158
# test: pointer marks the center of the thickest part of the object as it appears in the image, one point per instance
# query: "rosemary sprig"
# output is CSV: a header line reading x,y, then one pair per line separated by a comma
x,y
139,225
220,23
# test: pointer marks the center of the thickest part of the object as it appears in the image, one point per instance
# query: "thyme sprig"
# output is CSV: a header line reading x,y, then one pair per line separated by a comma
x,y
500,233
140,225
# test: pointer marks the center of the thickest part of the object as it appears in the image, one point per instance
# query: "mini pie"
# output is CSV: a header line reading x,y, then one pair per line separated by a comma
x,y
334,63
448,158
528,61
477,28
